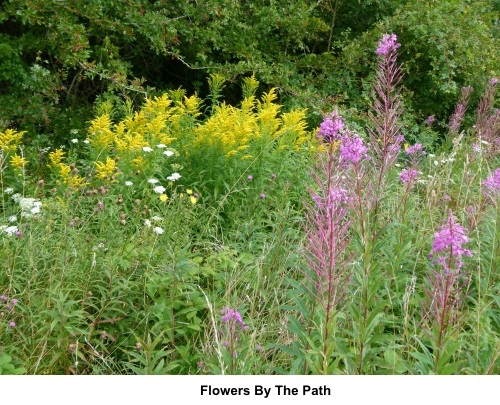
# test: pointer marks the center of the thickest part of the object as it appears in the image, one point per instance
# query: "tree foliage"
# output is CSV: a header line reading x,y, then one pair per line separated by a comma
x,y
58,56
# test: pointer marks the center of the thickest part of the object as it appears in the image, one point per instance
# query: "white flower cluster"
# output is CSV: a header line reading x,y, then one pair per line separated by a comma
x,y
9,230
174,176
29,206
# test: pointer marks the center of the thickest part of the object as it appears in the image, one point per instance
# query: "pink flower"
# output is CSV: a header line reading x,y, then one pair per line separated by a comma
x,y
408,175
352,150
414,149
387,44
449,241
331,127
233,316
491,186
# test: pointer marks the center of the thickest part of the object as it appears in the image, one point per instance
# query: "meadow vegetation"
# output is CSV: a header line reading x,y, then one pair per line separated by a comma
x,y
191,235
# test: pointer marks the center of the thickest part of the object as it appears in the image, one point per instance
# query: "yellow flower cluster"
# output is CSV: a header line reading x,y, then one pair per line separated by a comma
x,y
18,162
107,170
233,129
153,124
68,174
10,140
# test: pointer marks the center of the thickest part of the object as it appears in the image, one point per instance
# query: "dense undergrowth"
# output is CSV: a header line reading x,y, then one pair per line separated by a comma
x,y
195,237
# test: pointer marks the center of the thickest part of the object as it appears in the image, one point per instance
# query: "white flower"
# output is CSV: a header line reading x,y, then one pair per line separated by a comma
x,y
16,197
35,210
431,155
26,204
159,189
86,141
9,190
74,140
436,163
13,218
129,183
73,131
168,153
158,230
161,146
174,176
152,181
485,142
11,230
157,218
147,223
147,149
37,204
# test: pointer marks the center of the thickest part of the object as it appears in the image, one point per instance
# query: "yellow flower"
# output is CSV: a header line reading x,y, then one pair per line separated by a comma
x,y
181,195
139,162
18,162
10,139
56,157
101,135
193,200
106,170
163,197
189,191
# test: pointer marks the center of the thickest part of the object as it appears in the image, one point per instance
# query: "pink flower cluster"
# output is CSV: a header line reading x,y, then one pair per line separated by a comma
x,y
331,127
352,150
414,149
387,44
491,186
232,316
408,175
449,241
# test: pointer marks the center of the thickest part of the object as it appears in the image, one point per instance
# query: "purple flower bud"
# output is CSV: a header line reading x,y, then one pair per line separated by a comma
x,y
262,195
12,324
250,177
14,301
3,298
